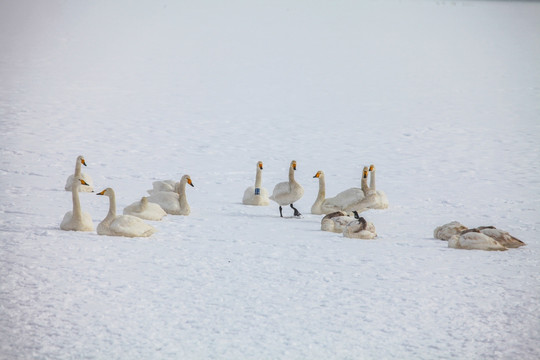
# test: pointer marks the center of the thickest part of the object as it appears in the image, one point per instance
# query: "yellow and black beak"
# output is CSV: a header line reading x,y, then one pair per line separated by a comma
x,y
83,182
371,167
101,193
83,162
318,174
261,165
190,182
294,165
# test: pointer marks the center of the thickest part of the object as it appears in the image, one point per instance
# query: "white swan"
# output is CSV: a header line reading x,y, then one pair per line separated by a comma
x,y
381,198
77,220
339,202
145,210
472,239
370,199
79,175
122,225
174,203
336,221
256,195
446,231
163,185
501,236
288,192
360,229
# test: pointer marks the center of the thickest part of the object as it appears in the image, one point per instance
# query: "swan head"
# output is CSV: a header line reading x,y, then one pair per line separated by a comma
x,y
371,167
319,174
80,159
187,178
293,164
108,192
365,172
144,200
260,165
79,182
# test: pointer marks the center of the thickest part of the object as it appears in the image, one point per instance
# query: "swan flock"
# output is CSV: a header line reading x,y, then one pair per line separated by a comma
x,y
168,197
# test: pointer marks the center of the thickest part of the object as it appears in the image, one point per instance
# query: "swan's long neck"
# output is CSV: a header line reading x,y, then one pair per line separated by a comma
x,y
322,189
111,215
364,186
372,180
78,168
144,203
258,178
77,212
182,193
291,175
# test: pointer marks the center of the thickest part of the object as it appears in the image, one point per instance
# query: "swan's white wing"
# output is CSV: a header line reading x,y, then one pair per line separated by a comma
x,y
169,201
131,226
250,198
345,198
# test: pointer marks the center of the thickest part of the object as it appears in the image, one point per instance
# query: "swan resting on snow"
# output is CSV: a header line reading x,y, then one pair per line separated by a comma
x,y
501,236
336,221
77,220
288,192
79,175
360,229
256,195
122,225
446,231
381,198
145,210
174,203
341,201
473,239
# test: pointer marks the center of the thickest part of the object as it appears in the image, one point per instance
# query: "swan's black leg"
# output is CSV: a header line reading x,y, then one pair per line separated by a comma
x,y
296,212
280,211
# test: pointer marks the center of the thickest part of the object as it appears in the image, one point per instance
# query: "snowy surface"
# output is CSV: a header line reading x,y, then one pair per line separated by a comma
x,y
442,96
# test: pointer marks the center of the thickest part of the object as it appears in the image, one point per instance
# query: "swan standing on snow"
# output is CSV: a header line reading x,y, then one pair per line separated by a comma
x,y
256,195
122,225
77,220
446,231
79,175
381,199
339,202
360,229
288,192
473,239
145,210
174,203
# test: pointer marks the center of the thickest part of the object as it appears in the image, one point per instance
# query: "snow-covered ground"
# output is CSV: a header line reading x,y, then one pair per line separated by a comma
x,y
443,96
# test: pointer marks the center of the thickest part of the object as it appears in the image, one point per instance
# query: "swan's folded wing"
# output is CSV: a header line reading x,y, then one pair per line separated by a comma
x,y
345,198
131,226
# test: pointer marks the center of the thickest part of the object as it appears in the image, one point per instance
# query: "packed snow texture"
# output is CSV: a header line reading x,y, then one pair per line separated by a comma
x,y
443,96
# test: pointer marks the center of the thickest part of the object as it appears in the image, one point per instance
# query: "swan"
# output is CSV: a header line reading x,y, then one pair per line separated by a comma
x,y
360,229
288,192
163,185
368,201
174,203
79,175
336,221
446,231
145,210
77,220
473,239
256,195
339,202
381,199
501,236
122,225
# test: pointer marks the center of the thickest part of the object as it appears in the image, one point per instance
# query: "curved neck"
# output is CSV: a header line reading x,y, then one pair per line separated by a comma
x,y
78,168
112,207
372,180
291,175
258,178
77,212
364,186
322,189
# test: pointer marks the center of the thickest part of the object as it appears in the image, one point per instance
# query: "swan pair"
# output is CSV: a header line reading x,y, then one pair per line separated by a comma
x,y
358,199
89,187
288,192
351,227
480,238
171,196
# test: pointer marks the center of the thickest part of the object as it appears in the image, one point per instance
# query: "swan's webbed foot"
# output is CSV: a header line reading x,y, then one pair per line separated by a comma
x,y
280,211
296,212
